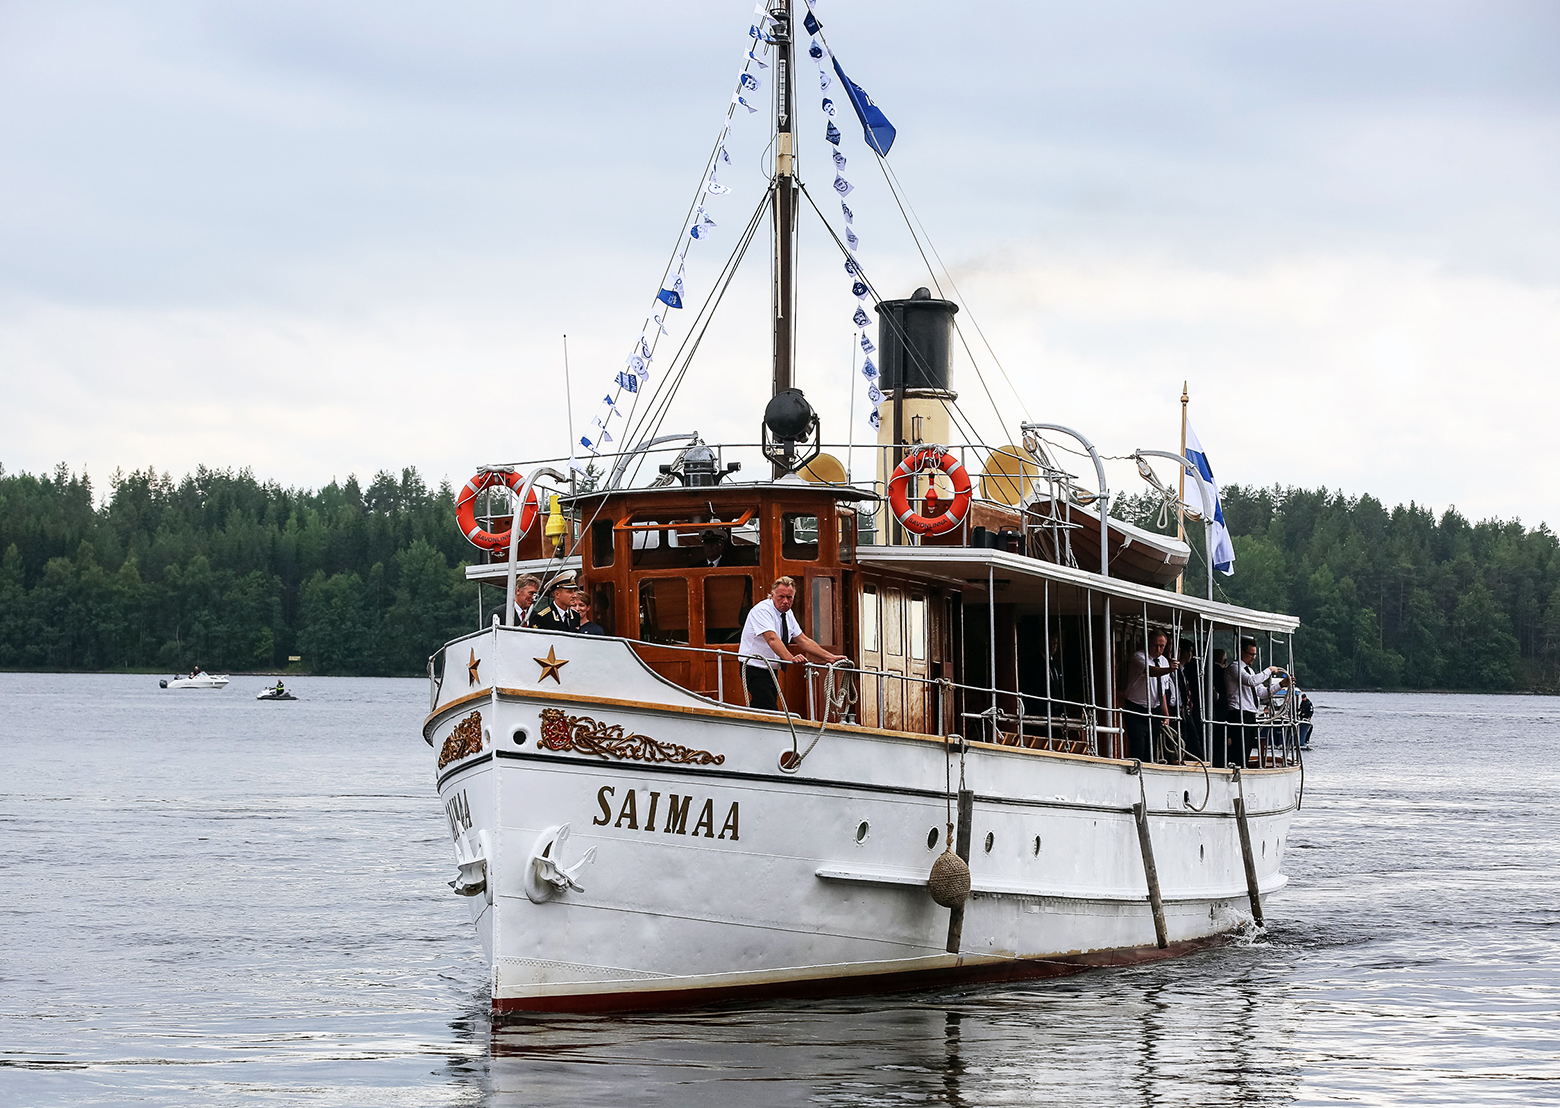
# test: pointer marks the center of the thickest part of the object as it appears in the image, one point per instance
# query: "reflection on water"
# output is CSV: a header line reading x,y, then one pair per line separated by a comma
x,y
1215,1029
208,901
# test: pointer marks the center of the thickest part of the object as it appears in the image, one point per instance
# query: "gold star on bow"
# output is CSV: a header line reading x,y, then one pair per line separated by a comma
x,y
550,666
471,668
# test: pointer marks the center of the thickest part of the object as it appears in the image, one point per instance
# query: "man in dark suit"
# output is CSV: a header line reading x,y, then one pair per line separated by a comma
x,y
713,551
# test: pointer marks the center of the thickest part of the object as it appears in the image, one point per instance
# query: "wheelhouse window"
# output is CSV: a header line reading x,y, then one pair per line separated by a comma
x,y
602,610
663,540
847,524
823,609
799,537
869,620
603,548
727,601
663,610
918,628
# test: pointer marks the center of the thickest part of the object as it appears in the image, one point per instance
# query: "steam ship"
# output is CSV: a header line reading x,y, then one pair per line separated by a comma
x,y
954,803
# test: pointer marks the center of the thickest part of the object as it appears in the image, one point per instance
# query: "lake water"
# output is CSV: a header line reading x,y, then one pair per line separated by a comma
x,y
205,900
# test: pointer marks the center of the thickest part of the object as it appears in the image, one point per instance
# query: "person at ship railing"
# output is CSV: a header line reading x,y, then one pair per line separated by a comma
x,y
555,611
1144,695
526,586
1247,686
771,637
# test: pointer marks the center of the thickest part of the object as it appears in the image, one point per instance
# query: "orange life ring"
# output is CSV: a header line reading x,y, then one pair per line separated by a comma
x,y
466,508
899,492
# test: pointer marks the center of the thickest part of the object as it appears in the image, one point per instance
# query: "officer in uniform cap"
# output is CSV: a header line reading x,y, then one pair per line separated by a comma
x,y
555,611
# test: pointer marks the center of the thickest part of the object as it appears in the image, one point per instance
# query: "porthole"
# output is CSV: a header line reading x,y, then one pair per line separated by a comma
x,y
991,839
520,736
861,831
1200,855
1037,846
1186,798
1264,848
931,839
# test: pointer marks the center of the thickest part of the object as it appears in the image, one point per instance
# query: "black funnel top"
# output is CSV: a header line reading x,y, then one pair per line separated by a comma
x,y
915,342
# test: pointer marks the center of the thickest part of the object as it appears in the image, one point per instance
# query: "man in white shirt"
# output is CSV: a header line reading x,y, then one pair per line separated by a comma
x,y
771,637
1246,687
1144,697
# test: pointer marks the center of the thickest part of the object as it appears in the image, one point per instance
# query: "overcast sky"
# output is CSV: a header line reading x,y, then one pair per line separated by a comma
x,y
317,239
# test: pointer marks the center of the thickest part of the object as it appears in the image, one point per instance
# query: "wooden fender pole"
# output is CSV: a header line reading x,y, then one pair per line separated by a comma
x,y
962,849
1245,854
1151,872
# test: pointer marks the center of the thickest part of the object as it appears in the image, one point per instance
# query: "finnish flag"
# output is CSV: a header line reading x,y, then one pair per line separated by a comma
x,y
1223,552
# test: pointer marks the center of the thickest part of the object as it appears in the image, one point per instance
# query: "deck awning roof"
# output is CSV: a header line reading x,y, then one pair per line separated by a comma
x,y
967,568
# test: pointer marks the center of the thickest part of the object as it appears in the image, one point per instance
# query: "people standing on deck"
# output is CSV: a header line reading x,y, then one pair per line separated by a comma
x,y
1144,697
771,637
525,596
555,611
1246,687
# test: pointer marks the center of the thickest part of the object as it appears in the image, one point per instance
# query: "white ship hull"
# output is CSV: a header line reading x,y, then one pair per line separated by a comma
x,y
716,875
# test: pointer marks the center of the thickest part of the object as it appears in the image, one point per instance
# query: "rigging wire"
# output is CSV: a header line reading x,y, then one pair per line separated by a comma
x,y
883,168
948,273
666,389
956,414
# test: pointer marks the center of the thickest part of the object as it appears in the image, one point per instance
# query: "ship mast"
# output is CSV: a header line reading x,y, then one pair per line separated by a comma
x,y
785,198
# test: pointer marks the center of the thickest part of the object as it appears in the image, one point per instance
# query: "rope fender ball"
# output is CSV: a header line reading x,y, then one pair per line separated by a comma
x,y
899,491
949,881
466,508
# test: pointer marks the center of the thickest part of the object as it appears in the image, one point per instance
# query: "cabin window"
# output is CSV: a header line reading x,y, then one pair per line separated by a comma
x,y
663,610
799,537
601,607
869,620
727,601
847,522
823,609
918,628
602,544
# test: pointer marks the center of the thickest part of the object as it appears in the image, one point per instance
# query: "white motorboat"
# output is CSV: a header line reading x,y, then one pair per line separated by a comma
x,y
953,802
198,680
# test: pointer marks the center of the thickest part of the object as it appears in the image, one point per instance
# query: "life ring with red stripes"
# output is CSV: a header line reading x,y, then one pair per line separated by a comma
x,y
466,508
899,491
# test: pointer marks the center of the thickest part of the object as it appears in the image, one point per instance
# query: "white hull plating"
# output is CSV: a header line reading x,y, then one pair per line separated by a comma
x,y
722,876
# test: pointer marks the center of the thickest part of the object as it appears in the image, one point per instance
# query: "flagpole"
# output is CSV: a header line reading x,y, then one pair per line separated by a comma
x,y
1180,504
568,407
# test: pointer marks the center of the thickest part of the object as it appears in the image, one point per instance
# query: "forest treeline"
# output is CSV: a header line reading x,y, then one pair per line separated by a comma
x,y
227,572
232,573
